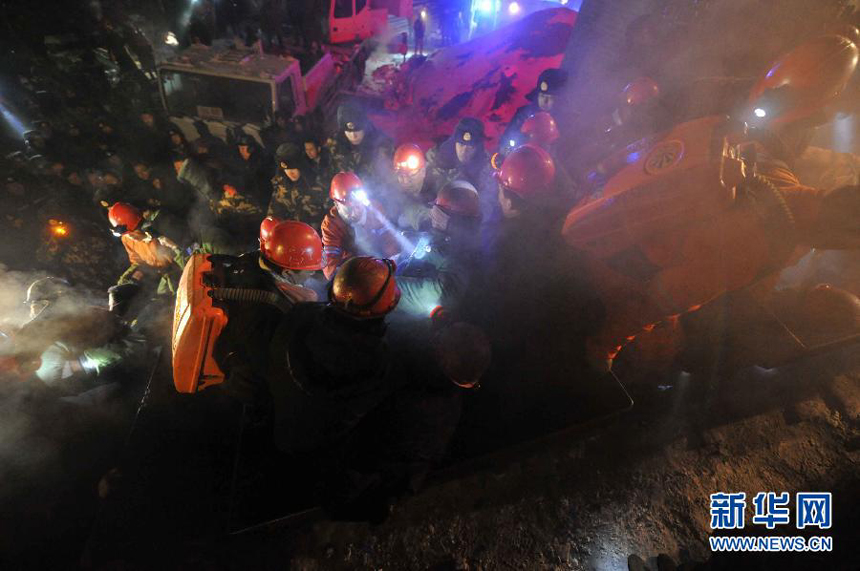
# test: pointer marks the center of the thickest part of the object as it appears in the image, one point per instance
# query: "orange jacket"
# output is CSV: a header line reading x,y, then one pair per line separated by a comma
x,y
145,250
341,241
338,240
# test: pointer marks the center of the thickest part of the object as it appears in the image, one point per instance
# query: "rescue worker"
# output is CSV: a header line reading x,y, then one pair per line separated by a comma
x,y
296,196
462,156
358,146
527,255
538,128
318,159
152,255
290,252
754,238
354,226
252,290
398,444
636,115
331,360
68,343
541,130
437,272
152,188
252,166
783,108
325,365
410,201
551,82
528,182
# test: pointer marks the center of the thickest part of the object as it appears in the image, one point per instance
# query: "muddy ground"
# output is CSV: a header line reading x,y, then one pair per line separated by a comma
x,y
640,484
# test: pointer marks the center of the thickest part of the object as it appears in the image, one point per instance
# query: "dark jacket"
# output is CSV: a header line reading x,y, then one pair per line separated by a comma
x,y
326,373
443,165
370,160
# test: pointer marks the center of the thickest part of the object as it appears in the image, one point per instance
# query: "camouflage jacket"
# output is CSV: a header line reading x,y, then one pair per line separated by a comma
x,y
304,200
371,160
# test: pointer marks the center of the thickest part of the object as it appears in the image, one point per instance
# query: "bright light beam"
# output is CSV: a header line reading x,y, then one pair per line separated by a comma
x,y
12,120
405,245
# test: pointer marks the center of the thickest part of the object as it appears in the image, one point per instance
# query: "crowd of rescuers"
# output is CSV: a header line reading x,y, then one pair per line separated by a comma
x,y
379,234
364,282
395,262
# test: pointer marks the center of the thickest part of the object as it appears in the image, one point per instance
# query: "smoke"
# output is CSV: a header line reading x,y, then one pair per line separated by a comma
x,y
54,446
13,291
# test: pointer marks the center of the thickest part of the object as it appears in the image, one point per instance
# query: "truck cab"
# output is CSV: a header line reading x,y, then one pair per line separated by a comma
x,y
357,20
219,88
222,88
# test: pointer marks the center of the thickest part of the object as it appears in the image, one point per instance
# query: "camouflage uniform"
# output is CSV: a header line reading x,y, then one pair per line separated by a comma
x,y
370,159
303,200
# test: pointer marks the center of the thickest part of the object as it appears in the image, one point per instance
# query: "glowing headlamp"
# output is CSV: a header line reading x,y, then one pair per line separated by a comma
x,y
759,112
360,196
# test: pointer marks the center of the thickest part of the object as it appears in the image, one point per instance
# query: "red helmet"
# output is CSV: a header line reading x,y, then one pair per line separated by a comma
x,y
541,129
293,245
804,80
527,172
124,214
409,157
459,198
640,91
266,227
343,185
365,287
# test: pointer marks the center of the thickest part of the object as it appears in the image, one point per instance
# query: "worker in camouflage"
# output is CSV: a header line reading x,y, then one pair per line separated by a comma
x,y
359,147
296,196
